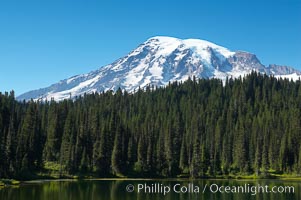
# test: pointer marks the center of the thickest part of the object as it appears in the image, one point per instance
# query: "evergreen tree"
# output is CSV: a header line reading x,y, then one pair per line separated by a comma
x,y
197,128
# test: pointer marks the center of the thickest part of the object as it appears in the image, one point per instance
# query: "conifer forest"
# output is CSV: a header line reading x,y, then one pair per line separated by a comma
x,y
198,128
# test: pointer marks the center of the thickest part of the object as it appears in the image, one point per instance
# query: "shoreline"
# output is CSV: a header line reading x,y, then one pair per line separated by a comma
x,y
14,182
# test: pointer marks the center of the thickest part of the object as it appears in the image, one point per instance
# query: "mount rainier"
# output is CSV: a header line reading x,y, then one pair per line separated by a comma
x,y
157,62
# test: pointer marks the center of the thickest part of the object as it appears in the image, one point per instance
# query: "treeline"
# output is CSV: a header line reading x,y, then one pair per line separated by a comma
x,y
198,128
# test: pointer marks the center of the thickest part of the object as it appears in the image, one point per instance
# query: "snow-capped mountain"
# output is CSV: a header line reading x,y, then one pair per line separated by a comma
x,y
158,61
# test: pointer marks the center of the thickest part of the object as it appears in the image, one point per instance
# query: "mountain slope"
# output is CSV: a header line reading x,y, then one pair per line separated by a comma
x,y
158,61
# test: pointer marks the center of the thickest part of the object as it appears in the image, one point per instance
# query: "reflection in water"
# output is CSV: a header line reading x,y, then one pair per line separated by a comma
x,y
116,190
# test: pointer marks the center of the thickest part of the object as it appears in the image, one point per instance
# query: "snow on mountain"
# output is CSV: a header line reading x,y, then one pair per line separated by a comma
x,y
157,62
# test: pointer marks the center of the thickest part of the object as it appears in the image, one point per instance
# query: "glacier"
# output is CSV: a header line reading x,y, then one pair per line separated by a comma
x,y
158,61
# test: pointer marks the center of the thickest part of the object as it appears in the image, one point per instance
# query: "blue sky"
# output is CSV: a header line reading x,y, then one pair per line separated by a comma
x,y
42,42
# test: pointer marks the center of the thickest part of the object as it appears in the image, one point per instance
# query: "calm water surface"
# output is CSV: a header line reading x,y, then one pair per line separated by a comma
x,y
149,190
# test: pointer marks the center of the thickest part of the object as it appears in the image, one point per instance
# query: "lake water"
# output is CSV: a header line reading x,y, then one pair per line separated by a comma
x,y
154,190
